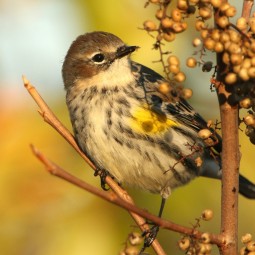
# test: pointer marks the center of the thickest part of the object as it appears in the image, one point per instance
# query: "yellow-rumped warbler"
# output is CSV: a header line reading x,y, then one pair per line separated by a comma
x,y
127,126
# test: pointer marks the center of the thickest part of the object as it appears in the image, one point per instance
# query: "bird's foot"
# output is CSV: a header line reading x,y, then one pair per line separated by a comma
x,y
149,236
102,174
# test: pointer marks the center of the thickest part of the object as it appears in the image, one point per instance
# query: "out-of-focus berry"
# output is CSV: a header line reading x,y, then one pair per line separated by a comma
x,y
149,25
231,78
191,62
180,77
184,243
246,238
207,214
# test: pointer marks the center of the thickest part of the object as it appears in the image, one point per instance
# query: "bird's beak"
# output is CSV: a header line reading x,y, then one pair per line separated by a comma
x,y
125,50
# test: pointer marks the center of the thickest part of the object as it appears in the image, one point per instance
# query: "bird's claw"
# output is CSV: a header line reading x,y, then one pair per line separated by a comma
x,y
150,236
102,174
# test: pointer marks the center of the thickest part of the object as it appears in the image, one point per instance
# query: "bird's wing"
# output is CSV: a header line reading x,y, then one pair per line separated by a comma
x,y
173,105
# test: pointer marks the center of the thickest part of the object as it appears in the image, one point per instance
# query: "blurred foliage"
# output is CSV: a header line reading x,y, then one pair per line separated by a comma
x,y
41,214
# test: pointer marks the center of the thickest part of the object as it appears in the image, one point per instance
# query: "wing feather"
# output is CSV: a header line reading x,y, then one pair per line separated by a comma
x,y
171,104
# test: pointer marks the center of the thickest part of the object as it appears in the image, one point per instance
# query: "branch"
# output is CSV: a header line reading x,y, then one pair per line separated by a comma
x,y
114,199
230,177
51,119
230,158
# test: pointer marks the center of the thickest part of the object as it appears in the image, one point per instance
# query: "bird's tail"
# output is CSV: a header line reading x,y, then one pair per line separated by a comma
x,y
246,188
211,169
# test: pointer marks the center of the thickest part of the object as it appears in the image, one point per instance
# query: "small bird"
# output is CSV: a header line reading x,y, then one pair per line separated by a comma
x,y
125,124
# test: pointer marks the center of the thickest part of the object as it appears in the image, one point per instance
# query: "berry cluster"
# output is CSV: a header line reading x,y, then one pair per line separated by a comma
x,y
170,22
132,245
233,42
173,67
193,246
249,245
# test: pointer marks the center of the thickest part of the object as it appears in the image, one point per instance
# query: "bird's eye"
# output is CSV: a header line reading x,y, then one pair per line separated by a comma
x,y
99,57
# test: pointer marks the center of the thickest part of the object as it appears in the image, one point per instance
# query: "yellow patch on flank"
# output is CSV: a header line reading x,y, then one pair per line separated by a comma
x,y
147,121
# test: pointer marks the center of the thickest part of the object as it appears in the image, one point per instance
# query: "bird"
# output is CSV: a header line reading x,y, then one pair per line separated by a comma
x,y
127,127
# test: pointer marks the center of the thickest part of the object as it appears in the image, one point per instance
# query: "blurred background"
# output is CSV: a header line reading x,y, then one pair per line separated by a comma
x,y
41,214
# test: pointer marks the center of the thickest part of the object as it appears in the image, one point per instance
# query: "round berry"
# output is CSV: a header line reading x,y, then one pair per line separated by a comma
x,y
236,58
167,22
246,238
231,78
191,62
204,133
209,43
174,69
218,47
224,37
234,48
198,161
204,33
243,74
199,25
231,11
226,58
184,243
251,72
215,34
182,4
173,60
241,23
246,63
135,238
222,21
197,41
149,25
224,7
249,120
205,238
176,15
164,88
159,14
207,214
180,77
234,36
178,27
216,3
187,93
132,250
250,246
169,37
205,12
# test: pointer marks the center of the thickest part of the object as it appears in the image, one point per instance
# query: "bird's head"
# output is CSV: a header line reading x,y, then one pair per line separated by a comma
x,y
96,56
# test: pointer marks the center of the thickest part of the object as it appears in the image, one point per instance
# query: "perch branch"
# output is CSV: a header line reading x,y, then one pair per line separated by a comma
x,y
114,199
